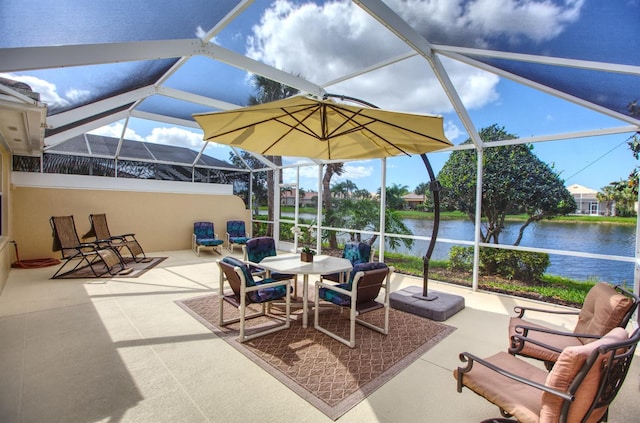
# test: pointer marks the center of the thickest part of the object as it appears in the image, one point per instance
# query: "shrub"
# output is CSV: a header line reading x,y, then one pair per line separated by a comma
x,y
461,258
521,265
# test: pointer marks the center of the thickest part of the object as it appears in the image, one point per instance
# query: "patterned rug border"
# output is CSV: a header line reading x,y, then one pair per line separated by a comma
x,y
85,273
336,411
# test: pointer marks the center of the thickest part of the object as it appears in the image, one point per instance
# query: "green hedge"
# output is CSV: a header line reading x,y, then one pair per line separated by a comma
x,y
522,265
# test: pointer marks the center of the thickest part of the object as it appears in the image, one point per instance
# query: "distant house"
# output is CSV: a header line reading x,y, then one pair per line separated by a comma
x,y
288,198
587,201
413,200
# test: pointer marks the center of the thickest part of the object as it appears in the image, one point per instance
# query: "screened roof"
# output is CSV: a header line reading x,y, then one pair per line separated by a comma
x,y
163,60
109,147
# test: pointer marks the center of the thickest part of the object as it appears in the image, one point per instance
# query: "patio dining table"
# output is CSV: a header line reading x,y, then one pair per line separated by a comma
x,y
291,263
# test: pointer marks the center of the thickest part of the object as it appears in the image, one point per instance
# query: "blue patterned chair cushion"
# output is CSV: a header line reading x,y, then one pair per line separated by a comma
x,y
237,232
243,266
344,300
205,235
355,252
261,295
210,242
268,294
258,249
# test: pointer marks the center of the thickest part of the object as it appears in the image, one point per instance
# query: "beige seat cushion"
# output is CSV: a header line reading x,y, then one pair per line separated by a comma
x,y
532,350
603,310
517,399
564,372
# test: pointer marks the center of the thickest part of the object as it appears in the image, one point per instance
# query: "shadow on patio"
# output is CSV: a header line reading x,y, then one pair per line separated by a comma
x,y
122,350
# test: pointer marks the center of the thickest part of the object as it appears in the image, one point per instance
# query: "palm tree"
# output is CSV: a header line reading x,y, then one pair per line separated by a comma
x,y
608,196
339,190
361,194
394,196
330,170
350,187
267,90
422,189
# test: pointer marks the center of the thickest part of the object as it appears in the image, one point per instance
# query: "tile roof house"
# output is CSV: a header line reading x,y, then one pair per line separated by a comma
x,y
588,203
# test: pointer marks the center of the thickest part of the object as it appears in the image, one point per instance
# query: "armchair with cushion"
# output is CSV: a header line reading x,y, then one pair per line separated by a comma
x,y
356,253
101,259
204,237
579,388
236,234
245,291
359,295
605,307
257,249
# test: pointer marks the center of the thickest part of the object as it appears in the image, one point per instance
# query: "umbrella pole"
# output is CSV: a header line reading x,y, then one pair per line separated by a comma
x,y
435,188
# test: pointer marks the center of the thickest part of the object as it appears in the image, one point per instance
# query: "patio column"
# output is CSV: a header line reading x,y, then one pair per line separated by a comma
x,y
383,207
476,241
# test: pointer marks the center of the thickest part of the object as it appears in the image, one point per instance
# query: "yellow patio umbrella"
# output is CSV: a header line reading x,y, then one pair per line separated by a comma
x,y
301,126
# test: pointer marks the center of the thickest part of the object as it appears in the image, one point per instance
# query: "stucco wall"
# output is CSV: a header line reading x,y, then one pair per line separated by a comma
x,y
6,249
161,221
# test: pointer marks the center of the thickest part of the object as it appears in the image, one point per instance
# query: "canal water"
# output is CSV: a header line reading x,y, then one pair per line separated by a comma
x,y
583,237
595,238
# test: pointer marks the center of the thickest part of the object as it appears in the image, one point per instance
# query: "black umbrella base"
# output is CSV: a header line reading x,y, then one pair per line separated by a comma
x,y
438,306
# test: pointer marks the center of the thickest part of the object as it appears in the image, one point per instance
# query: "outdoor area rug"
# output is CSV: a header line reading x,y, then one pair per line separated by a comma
x,y
138,269
326,373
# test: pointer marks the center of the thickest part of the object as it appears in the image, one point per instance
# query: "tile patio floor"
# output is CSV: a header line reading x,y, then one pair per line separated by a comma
x,y
121,350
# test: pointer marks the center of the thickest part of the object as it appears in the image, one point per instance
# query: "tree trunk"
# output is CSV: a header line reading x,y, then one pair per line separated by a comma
x,y
326,201
271,191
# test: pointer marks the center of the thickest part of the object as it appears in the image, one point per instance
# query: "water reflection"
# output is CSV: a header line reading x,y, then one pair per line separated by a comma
x,y
583,237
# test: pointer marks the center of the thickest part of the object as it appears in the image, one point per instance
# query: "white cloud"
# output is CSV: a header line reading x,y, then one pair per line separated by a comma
x,y
200,33
175,136
535,20
325,42
477,22
353,173
115,131
48,91
452,131
77,96
162,135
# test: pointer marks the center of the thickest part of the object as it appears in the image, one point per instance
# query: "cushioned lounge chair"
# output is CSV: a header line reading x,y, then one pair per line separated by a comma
x,y
359,296
126,242
605,307
236,234
204,237
245,291
579,388
101,259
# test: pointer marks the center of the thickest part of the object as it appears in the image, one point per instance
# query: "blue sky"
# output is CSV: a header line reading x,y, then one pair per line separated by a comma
x,y
280,33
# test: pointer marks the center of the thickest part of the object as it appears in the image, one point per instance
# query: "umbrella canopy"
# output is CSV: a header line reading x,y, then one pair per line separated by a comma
x,y
301,126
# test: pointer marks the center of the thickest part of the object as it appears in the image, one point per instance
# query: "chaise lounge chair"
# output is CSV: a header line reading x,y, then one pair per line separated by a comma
x,y
101,259
100,230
